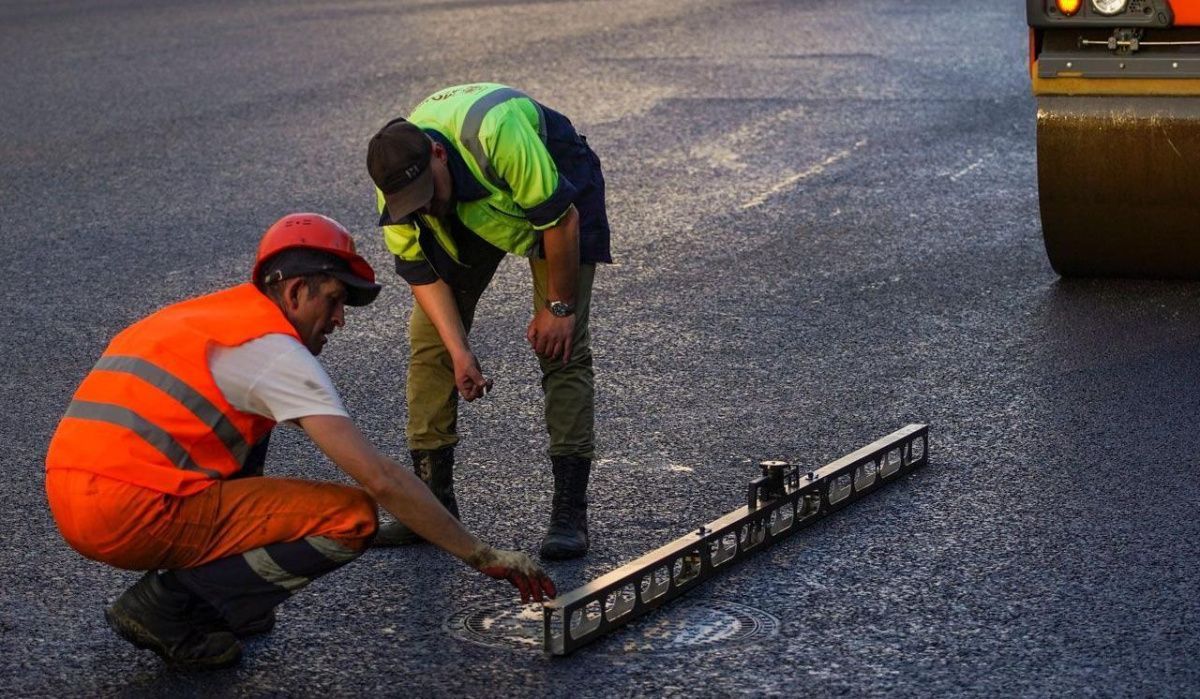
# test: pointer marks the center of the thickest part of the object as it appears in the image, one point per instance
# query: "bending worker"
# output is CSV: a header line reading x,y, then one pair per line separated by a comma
x,y
157,464
475,172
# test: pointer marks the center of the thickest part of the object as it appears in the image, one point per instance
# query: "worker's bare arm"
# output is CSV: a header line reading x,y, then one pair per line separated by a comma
x,y
561,243
400,492
549,335
437,301
397,489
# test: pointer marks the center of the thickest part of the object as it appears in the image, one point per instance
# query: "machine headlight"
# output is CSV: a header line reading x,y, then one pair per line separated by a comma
x,y
1109,7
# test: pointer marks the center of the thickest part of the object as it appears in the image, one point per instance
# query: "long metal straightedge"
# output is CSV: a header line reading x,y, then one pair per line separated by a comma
x,y
779,503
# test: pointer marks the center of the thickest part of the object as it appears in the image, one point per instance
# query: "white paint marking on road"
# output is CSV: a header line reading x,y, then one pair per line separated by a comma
x,y
802,175
966,170
685,469
726,152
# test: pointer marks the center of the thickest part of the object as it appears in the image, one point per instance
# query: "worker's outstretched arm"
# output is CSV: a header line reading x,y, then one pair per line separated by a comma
x,y
549,335
401,493
437,300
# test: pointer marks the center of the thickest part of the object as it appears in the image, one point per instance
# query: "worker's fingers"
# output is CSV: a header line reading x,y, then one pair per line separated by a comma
x,y
527,592
547,586
548,346
566,354
539,589
522,584
536,587
519,570
471,383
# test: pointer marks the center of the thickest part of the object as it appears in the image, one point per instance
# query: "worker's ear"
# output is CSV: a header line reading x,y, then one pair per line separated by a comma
x,y
292,293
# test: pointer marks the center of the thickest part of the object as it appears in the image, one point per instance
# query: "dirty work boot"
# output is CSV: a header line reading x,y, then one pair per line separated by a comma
x,y
208,619
436,468
150,616
212,621
254,627
567,536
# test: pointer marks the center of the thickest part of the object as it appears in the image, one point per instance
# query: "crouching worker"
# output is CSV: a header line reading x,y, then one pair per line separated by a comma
x,y
157,465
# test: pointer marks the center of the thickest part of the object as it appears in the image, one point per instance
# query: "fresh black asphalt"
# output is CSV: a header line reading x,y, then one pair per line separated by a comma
x,y
826,227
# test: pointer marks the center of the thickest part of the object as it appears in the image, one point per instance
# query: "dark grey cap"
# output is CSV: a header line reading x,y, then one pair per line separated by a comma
x,y
398,160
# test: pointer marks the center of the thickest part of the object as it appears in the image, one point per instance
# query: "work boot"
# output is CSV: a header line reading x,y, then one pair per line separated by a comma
x,y
150,616
213,621
254,627
567,536
207,617
436,468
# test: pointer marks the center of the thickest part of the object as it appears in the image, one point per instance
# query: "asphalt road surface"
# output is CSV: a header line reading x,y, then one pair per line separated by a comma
x,y
825,224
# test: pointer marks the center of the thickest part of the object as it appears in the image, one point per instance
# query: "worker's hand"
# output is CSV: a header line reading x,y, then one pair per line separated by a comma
x,y
517,568
550,336
469,378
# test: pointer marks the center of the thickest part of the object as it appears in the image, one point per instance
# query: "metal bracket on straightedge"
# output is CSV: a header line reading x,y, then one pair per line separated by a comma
x,y
778,504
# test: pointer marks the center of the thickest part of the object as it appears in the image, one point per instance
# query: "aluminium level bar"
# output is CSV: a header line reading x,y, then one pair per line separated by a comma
x,y
779,503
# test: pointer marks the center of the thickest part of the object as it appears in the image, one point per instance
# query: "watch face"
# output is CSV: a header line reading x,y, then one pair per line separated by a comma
x,y
561,309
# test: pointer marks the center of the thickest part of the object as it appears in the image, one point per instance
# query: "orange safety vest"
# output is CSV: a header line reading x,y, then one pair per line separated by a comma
x,y
150,412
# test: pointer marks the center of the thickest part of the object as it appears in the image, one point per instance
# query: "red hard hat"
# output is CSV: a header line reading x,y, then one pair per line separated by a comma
x,y
315,232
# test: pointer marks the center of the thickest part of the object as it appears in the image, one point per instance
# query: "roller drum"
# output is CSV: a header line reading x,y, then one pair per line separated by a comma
x,y
1119,185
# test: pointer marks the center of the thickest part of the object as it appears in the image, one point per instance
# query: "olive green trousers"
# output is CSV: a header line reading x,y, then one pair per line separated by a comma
x,y
569,389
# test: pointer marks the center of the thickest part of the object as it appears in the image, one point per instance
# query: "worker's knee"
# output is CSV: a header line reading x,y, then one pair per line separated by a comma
x,y
367,512
372,515
356,520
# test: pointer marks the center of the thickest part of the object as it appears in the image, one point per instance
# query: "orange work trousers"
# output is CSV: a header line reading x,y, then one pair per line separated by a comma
x,y
131,527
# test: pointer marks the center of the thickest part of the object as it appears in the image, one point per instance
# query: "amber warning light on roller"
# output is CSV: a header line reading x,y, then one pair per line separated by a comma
x,y
1068,7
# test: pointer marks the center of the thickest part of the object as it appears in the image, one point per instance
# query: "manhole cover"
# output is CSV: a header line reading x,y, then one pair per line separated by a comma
x,y
676,627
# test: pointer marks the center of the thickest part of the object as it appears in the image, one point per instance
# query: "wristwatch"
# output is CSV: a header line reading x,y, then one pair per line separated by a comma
x,y
561,309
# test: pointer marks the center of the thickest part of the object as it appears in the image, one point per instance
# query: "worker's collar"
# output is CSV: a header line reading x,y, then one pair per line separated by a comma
x,y
463,185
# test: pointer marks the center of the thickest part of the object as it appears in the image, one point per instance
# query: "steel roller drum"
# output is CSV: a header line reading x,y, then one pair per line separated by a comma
x,y
1119,184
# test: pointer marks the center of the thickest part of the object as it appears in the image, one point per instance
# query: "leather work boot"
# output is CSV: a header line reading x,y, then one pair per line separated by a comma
x,y
207,618
212,622
150,616
254,627
567,536
436,468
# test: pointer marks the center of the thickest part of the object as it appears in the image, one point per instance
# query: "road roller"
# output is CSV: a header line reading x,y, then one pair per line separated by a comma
x,y
1117,84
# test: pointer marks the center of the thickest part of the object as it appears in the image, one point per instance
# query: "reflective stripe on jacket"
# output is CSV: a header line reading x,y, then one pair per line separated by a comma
x,y
150,413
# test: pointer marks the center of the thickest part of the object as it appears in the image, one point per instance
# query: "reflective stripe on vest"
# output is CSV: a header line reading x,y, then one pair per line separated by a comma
x,y
473,122
154,435
200,406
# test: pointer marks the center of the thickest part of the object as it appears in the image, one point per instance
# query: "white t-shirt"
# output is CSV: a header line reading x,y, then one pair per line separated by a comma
x,y
275,376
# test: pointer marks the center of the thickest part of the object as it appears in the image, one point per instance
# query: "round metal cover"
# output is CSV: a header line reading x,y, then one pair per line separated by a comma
x,y
687,625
